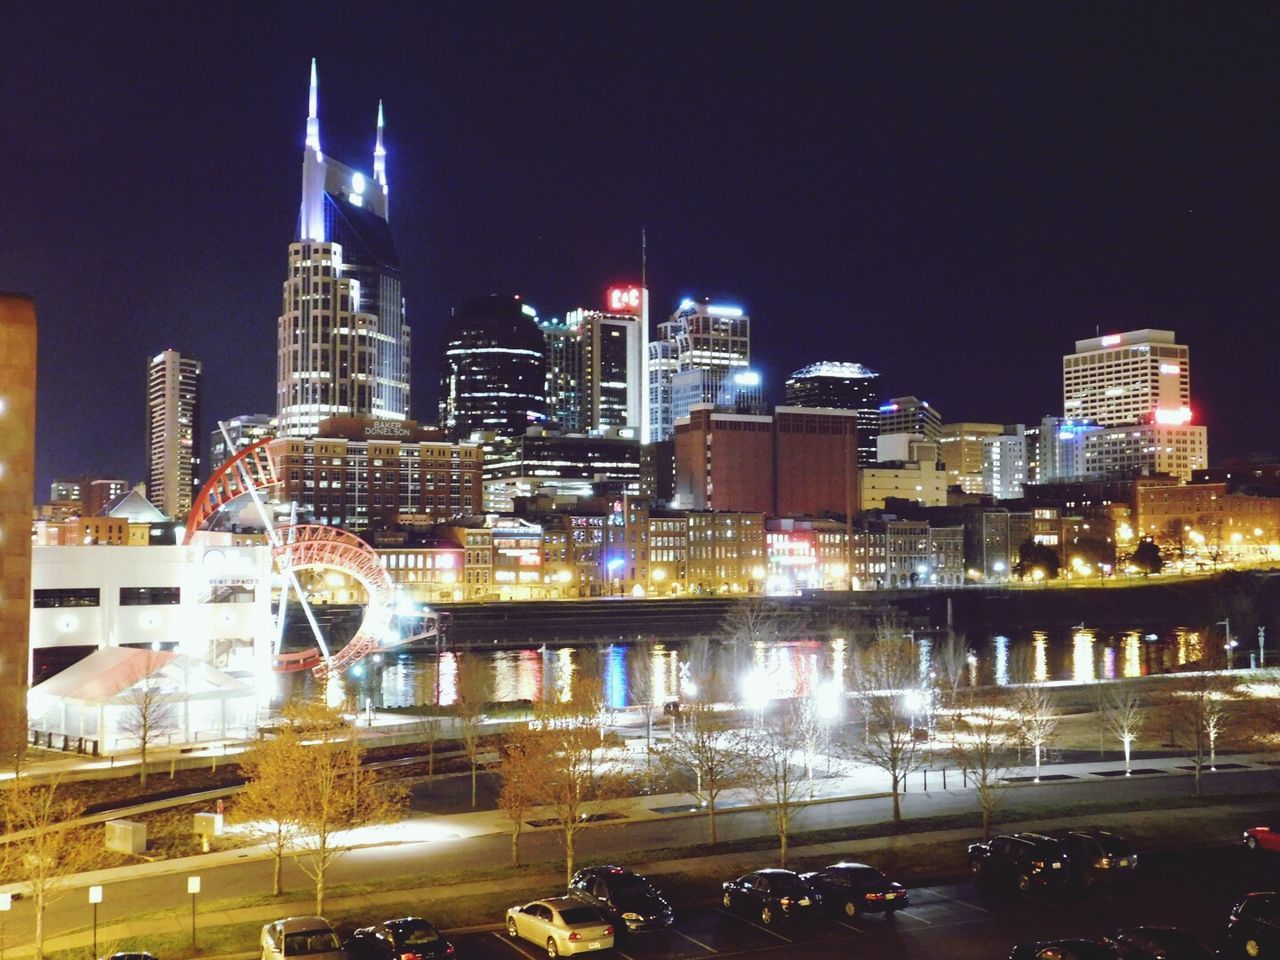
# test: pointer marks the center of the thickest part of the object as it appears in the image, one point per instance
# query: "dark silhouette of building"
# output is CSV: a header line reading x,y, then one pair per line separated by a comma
x,y
841,386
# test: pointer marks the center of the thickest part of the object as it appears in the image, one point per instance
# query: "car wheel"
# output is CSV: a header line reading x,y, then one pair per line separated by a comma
x,y
511,928
850,908
552,949
1024,882
766,915
728,900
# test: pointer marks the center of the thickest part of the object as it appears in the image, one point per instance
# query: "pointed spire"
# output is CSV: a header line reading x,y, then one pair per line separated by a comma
x,y
380,154
313,116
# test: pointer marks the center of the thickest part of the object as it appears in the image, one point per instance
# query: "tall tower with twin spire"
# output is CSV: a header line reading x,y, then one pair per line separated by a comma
x,y
343,347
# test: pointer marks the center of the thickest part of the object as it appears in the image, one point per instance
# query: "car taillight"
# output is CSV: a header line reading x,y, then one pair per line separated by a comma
x,y
449,950
608,931
786,901
574,935
1104,863
1037,864
875,896
410,956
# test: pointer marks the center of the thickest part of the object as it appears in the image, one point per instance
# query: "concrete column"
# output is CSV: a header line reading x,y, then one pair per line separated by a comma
x,y
17,482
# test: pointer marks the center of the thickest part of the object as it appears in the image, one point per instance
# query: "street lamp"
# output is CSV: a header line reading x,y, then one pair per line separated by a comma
x,y
95,898
193,888
1230,645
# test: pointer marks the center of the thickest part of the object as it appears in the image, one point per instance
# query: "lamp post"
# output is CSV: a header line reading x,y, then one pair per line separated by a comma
x,y
1230,645
193,888
95,898
1262,650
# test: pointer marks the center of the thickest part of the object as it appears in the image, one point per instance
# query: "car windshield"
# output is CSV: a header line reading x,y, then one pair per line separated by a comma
x,y
786,885
630,887
1171,944
579,915
417,934
1116,847
309,941
863,874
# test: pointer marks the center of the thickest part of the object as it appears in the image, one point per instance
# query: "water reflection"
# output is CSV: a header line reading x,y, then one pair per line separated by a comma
x,y
784,669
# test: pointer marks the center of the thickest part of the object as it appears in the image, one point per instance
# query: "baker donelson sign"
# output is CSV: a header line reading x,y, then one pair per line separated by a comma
x,y
387,430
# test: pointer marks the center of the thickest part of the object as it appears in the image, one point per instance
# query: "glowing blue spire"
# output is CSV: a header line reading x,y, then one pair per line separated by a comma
x,y
313,117
380,154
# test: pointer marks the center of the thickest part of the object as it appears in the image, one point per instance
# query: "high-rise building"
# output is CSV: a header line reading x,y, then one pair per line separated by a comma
x,y
492,369
596,364
1004,463
740,392
910,415
173,431
1061,449
699,335
244,430
1145,449
841,386
565,466
960,448
1142,376
343,347
17,480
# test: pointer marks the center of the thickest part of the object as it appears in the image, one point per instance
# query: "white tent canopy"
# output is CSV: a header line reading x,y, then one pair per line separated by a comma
x,y
103,698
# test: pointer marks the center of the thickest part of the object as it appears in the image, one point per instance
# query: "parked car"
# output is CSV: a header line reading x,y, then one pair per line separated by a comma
x,y
1253,929
1024,860
1064,950
132,956
562,926
771,895
310,937
630,901
1157,943
1262,838
1099,857
855,888
409,938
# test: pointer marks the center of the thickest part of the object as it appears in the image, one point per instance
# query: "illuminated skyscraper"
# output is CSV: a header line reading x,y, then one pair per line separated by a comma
x,y
699,336
173,431
343,347
492,369
841,386
1142,376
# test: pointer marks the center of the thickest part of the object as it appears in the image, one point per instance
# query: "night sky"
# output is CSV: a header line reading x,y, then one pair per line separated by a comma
x,y
951,194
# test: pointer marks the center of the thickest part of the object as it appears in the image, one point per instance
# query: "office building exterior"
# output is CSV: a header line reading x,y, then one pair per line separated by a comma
x,y
700,335
841,386
596,365
358,473
564,466
960,449
1061,449
244,430
915,476
1135,377
343,346
1004,463
173,431
1146,448
740,392
910,415
492,369
798,462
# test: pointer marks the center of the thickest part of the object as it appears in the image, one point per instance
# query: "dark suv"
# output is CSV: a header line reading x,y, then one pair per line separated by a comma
x,y
627,898
1024,860
1099,857
1253,929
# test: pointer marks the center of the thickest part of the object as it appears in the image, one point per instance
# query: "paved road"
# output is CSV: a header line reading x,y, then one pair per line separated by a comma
x,y
239,879
956,921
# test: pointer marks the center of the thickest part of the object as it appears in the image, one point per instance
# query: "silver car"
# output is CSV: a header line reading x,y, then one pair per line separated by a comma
x,y
297,937
563,926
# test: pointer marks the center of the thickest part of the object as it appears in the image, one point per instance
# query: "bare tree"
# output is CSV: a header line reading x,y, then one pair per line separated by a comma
x,y
980,736
886,685
48,854
1124,716
642,691
521,764
717,754
698,678
775,774
333,793
148,712
570,778
473,690
1037,720
267,803
751,622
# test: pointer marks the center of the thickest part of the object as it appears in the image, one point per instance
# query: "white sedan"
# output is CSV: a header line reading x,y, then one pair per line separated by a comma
x,y
562,926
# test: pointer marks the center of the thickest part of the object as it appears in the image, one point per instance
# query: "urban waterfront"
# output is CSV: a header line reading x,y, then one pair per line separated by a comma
x,y
789,668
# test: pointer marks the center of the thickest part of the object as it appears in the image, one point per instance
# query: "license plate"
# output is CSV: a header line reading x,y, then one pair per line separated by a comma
x,y
804,901
1124,863
595,944
1057,866
890,896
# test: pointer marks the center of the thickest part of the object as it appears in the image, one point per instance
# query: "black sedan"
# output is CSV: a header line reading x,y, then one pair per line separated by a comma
x,y
1064,950
1099,856
771,895
410,938
1157,943
856,888
630,901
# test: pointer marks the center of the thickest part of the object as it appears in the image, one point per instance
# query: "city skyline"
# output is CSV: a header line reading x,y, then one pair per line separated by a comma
x,y
1070,185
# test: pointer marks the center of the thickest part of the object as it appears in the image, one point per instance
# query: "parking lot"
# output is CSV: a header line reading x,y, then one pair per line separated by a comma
x,y
1194,890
